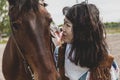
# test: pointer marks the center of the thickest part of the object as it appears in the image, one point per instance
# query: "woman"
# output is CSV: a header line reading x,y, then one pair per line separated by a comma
x,y
84,54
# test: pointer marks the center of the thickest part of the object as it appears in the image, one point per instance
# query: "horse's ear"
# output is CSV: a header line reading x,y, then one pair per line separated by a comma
x,y
17,2
12,2
23,4
20,3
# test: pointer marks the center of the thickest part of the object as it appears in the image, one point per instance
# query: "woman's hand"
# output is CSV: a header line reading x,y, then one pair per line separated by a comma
x,y
58,37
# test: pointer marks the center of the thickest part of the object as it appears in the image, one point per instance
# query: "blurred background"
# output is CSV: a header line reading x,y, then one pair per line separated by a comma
x,y
109,13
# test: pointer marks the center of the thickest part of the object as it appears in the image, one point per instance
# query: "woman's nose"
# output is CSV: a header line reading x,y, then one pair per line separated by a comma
x,y
63,30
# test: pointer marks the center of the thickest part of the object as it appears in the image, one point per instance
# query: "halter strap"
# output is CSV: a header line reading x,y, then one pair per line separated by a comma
x,y
27,67
25,63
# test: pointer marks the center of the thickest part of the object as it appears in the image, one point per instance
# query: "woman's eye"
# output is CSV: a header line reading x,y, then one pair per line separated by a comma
x,y
68,25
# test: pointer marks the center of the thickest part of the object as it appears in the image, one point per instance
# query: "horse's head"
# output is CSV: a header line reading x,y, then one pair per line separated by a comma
x,y
30,23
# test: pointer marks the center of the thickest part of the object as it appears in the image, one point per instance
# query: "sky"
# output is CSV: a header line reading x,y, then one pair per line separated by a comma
x,y
109,9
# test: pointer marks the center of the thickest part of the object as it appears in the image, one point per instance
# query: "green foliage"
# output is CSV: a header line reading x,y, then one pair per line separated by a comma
x,y
112,27
60,25
3,41
4,19
112,24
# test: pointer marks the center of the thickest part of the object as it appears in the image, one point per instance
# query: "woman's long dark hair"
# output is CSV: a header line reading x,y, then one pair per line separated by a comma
x,y
88,35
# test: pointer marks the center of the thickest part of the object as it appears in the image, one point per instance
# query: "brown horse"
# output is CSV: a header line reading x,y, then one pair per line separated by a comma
x,y
28,55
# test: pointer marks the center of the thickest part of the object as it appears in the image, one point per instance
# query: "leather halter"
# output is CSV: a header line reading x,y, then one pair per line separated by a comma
x,y
27,67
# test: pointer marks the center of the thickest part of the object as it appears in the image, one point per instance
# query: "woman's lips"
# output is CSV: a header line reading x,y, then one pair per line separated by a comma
x,y
63,36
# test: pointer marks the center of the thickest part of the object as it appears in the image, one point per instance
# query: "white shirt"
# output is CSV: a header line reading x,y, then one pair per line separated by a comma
x,y
72,71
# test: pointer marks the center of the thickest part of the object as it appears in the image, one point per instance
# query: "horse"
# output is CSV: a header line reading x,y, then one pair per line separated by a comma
x,y
28,54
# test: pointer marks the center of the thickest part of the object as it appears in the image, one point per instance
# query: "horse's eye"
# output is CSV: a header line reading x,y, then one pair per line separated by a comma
x,y
50,20
15,26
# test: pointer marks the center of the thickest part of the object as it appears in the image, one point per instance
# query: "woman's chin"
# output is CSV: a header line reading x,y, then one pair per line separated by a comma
x,y
66,41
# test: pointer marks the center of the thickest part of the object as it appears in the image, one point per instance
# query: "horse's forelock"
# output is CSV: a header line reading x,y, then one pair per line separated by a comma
x,y
24,5
28,4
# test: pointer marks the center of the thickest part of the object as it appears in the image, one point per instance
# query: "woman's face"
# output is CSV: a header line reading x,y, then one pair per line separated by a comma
x,y
67,31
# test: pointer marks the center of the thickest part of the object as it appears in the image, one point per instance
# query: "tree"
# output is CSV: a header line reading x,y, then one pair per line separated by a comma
x,y
112,24
4,19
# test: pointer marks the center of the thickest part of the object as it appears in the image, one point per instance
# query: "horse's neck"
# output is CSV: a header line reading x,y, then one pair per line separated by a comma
x,y
11,49
15,64
12,68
